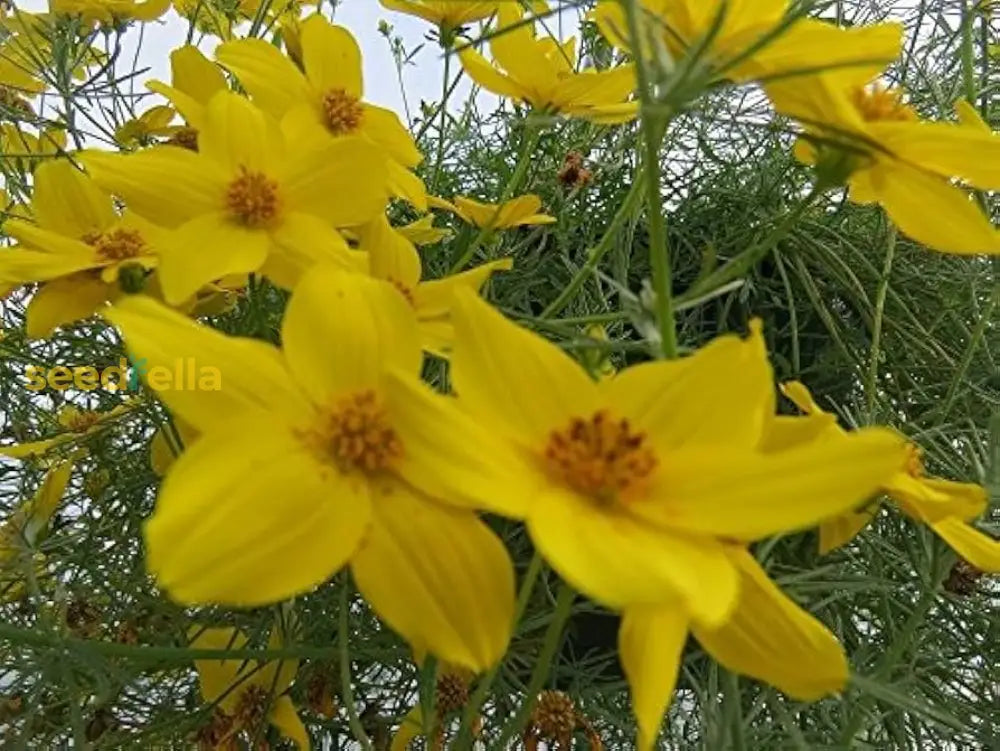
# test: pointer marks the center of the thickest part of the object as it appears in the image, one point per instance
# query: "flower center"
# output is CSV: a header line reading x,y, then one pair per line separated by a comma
x,y
79,421
251,709
342,111
186,138
118,244
878,103
252,198
599,456
914,461
356,434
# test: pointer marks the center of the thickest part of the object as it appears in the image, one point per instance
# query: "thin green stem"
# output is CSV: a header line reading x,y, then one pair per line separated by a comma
x,y
472,709
553,636
346,689
880,296
443,111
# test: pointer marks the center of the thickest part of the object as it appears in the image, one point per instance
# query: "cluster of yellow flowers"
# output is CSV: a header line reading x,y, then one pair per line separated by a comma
x,y
643,489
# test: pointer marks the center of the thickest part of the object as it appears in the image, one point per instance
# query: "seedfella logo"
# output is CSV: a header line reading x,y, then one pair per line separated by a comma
x,y
185,375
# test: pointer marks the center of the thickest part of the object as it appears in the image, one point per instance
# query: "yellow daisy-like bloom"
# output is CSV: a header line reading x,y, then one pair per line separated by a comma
x,y
891,157
394,259
945,506
109,12
298,472
746,44
194,81
325,101
628,486
518,212
423,232
247,200
767,636
247,694
77,246
448,14
540,72
77,424
153,122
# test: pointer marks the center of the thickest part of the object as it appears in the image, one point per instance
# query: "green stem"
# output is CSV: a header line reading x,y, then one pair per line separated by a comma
x,y
883,290
445,91
596,254
654,127
472,709
734,712
985,318
564,606
346,690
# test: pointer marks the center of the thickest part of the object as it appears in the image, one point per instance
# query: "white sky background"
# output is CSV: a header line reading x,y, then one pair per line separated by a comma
x,y
422,79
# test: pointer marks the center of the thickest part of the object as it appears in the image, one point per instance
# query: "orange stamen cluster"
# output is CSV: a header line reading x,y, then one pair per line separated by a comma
x,y
356,434
877,103
252,198
185,138
343,112
915,461
118,245
599,456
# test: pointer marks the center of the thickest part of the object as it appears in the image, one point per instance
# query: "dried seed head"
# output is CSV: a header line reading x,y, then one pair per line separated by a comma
x,y
452,693
554,716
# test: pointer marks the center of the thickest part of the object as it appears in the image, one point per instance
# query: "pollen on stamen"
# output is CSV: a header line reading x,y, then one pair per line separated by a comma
x,y
355,434
117,245
599,456
252,198
343,113
878,103
915,461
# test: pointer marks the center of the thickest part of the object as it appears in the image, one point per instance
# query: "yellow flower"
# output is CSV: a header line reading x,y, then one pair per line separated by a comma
x,y
629,486
541,73
27,150
945,506
153,122
890,156
245,692
747,44
194,80
394,259
518,212
310,425
77,246
109,12
423,232
324,102
767,637
449,14
247,200
206,17
76,424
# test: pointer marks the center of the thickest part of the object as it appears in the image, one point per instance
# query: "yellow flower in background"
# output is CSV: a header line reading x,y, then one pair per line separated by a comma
x,y
747,42
109,12
248,200
423,232
945,506
891,157
28,150
632,487
541,72
518,212
448,14
76,246
311,425
194,80
153,122
76,425
767,637
325,102
394,259
246,693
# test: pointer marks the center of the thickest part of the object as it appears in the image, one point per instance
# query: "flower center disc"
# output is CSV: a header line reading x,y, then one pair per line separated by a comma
x,y
599,456
342,111
356,434
118,244
877,103
252,198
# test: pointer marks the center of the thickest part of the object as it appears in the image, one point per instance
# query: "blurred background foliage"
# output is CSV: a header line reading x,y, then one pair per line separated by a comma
x,y
883,331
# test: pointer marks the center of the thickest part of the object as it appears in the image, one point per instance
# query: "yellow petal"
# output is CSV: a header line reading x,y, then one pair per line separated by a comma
x,y
516,51
650,643
487,76
452,456
237,135
367,328
46,500
980,550
206,248
219,680
392,257
161,454
219,534
67,202
438,576
621,561
770,638
252,374
406,185
331,57
411,726
837,532
57,255
385,128
785,432
434,298
272,79
748,495
284,717
720,396
930,499
190,109
521,385
63,301
195,75
303,241
950,150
